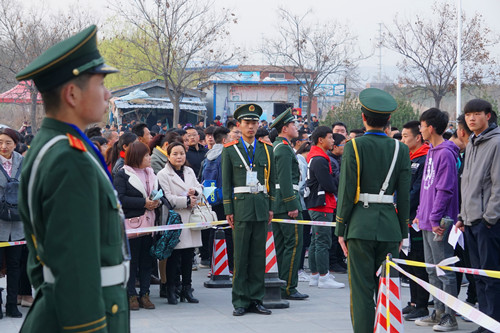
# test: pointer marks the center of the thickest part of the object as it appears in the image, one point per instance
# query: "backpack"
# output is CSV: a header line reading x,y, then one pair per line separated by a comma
x,y
168,239
212,177
8,202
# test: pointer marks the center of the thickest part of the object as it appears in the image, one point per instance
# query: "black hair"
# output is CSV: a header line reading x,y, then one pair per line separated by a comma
x,y
463,124
394,128
447,135
273,134
126,139
338,138
414,126
294,140
102,141
320,132
357,131
28,138
138,129
339,123
93,131
306,147
435,118
478,105
493,118
230,124
376,122
220,133
179,131
210,130
261,132
397,136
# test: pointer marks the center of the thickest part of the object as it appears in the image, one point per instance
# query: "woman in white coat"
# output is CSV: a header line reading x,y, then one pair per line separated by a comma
x,y
182,190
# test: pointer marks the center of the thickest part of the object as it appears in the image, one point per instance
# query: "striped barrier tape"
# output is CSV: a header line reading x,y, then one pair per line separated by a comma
x,y
443,265
5,244
221,222
461,307
195,225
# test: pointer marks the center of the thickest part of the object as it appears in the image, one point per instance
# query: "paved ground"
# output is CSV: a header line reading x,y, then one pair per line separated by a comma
x,y
325,311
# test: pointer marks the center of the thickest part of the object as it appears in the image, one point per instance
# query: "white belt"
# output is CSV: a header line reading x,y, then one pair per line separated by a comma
x,y
248,189
367,198
110,275
295,187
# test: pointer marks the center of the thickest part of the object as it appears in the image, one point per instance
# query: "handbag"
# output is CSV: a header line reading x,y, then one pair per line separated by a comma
x,y
8,202
135,223
202,213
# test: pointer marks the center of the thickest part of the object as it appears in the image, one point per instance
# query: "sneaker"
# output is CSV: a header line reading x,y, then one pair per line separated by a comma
x,y
326,282
145,302
303,276
313,280
447,323
409,308
433,319
405,284
133,303
195,267
204,264
416,313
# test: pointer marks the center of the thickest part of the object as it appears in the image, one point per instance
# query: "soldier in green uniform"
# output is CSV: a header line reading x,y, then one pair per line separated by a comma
x,y
374,168
247,189
69,208
287,237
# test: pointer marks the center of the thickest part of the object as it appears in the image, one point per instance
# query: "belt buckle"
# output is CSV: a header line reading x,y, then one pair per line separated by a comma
x,y
254,189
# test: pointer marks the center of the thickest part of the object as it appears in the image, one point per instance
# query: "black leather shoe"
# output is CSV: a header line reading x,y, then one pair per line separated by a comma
x,y
296,296
12,311
259,309
239,312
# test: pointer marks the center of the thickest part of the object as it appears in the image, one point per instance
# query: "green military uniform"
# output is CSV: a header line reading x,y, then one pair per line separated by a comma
x,y
251,212
288,238
371,229
70,212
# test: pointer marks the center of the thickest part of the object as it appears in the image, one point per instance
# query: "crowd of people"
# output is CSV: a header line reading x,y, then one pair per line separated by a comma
x,y
75,189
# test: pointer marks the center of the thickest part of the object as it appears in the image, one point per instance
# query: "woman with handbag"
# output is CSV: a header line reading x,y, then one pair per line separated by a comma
x,y
11,227
135,183
182,190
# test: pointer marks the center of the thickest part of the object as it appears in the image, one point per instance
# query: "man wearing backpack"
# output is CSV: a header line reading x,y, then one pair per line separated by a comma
x,y
211,176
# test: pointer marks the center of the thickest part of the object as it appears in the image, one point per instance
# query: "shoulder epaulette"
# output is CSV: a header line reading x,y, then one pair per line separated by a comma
x,y
267,143
76,143
232,143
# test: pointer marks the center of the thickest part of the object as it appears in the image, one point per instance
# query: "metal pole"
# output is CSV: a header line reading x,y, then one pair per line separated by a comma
x,y
459,58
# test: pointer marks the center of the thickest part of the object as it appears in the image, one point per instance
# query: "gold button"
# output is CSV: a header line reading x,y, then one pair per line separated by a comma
x,y
114,309
76,72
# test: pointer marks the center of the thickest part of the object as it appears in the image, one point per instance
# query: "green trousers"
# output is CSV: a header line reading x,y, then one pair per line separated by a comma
x,y
364,259
288,239
249,241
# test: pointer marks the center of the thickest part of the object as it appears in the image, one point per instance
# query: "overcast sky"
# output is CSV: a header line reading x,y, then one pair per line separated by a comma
x,y
258,18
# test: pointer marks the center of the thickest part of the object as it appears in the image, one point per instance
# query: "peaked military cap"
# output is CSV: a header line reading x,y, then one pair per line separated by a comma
x,y
377,103
66,60
284,118
248,112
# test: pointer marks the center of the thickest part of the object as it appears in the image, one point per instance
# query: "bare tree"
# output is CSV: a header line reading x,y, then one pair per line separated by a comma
x,y
429,50
311,52
25,34
178,40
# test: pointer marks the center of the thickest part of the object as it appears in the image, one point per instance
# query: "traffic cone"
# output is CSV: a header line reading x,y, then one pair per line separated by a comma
x,y
272,298
395,309
219,277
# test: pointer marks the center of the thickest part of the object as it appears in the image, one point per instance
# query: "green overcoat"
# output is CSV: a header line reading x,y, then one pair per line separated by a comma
x,y
287,199
76,230
379,222
247,206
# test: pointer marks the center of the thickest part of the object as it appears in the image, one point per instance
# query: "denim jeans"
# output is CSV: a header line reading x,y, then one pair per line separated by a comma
x,y
434,253
321,241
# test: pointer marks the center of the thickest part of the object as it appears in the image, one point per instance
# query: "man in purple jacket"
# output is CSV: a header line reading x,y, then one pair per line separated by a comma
x,y
438,200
